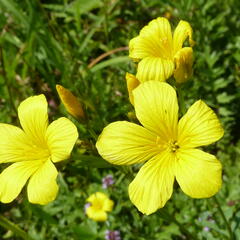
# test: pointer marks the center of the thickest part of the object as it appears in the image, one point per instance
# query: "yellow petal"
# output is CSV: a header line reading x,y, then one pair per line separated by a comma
x,y
61,136
17,146
14,177
157,108
42,187
182,31
183,64
199,126
98,196
71,103
96,215
108,205
132,83
101,201
14,144
152,68
33,117
198,173
154,40
153,185
138,50
126,143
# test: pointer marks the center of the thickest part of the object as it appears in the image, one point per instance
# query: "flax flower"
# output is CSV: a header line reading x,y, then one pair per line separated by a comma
x,y
161,54
100,204
168,146
33,150
70,102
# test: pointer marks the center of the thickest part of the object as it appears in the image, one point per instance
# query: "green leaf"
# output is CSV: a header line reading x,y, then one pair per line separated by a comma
x,y
12,39
15,11
38,211
83,6
168,231
5,223
110,62
224,98
91,161
220,83
225,111
85,232
77,6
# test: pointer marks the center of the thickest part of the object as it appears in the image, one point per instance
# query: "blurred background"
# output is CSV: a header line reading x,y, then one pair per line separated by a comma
x,y
82,45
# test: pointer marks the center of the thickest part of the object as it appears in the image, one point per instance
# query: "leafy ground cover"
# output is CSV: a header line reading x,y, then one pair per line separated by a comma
x,y
82,45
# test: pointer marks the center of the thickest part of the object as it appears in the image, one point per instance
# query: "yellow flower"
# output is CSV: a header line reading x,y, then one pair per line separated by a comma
x,y
71,103
168,146
160,55
132,83
100,204
33,150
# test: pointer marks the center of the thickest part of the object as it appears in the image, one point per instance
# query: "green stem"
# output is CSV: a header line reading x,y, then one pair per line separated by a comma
x,y
127,171
7,81
181,101
106,3
4,222
170,218
232,237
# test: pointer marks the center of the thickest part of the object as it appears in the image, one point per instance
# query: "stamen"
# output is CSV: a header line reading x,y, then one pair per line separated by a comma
x,y
174,146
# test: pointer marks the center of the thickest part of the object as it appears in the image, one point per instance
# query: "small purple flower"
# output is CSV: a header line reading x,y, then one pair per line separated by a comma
x,y
86,206
206,229
107,181
112,235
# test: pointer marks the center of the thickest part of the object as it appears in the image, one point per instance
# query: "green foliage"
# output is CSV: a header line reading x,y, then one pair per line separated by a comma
x,y
44,43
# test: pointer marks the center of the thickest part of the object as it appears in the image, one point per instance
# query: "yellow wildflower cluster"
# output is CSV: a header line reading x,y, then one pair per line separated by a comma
x,y
165,145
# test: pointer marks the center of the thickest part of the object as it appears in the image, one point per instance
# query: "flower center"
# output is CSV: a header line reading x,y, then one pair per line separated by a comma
x,y
35,152
169,145
97,204
173,145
